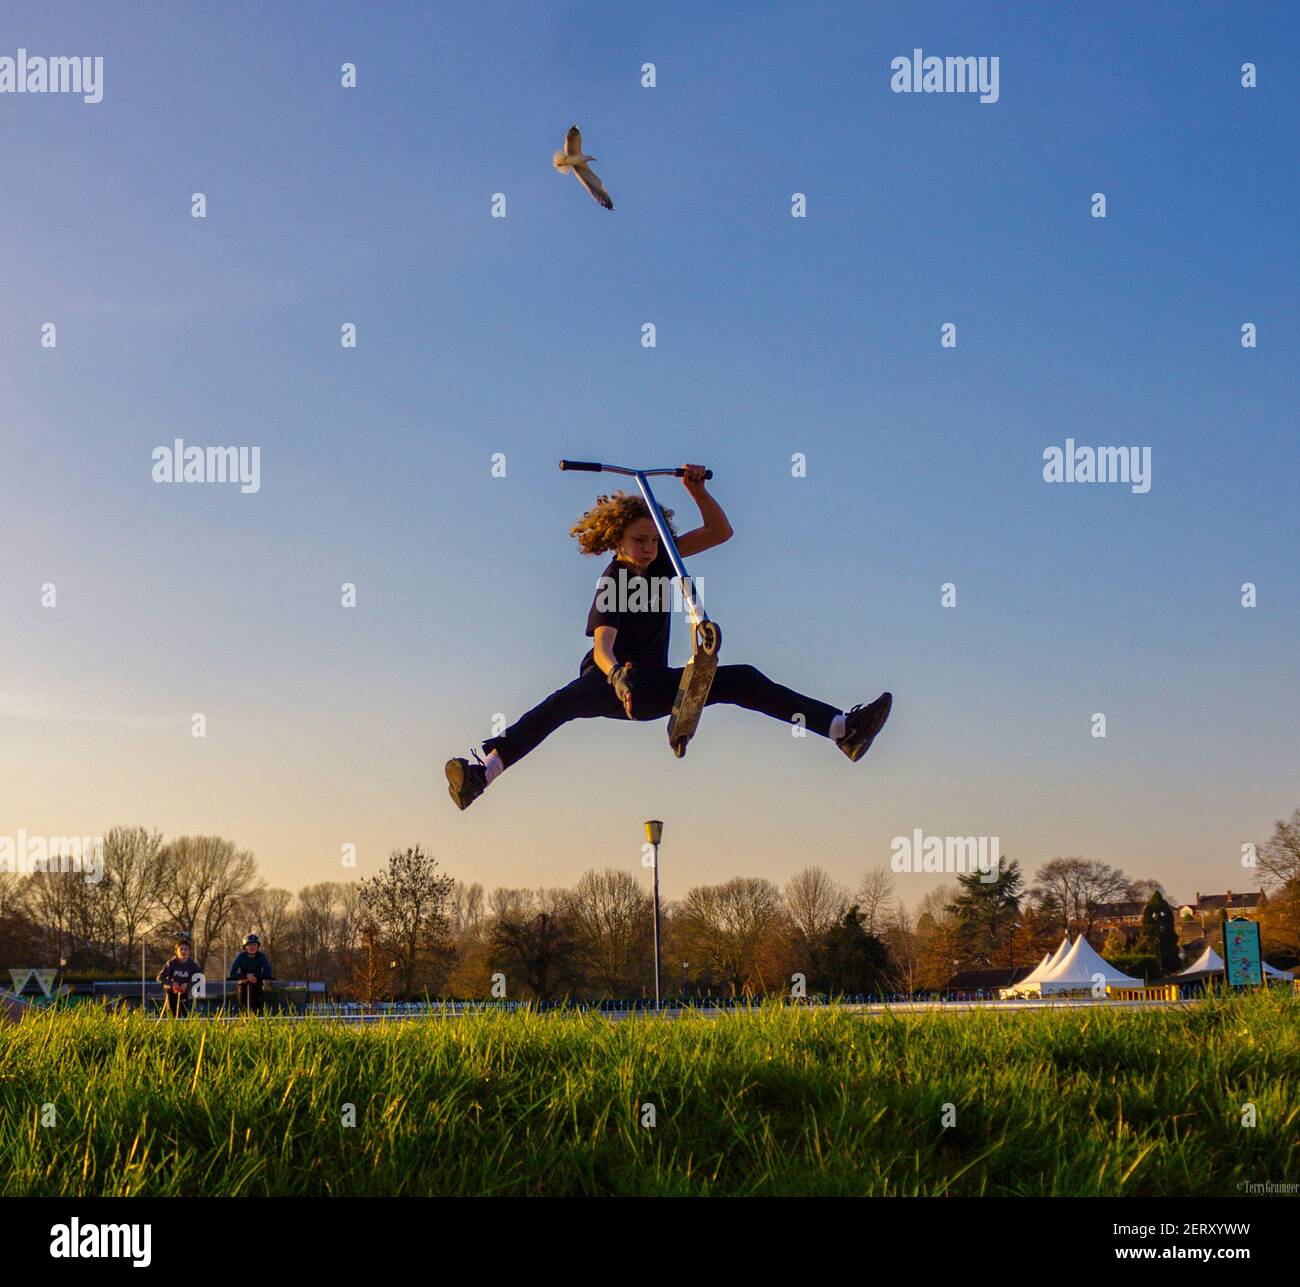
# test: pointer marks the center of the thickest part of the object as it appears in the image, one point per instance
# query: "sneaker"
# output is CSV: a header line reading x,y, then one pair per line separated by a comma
x,y
861,725
466,781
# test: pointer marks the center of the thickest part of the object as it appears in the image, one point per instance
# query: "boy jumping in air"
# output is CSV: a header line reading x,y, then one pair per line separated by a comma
x,y
626,674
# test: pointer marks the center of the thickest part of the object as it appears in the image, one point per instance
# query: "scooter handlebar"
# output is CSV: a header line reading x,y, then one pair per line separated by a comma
x,y
592,467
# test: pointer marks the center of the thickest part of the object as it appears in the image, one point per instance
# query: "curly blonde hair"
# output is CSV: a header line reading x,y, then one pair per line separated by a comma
x,y
602,526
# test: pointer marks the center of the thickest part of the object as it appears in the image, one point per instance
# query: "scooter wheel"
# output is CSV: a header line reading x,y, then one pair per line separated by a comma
x,y
708,636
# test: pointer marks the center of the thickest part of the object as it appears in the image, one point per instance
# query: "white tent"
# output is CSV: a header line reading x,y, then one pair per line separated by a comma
x,y
1210,962
1207,961
1035,973
1078,970
1050,961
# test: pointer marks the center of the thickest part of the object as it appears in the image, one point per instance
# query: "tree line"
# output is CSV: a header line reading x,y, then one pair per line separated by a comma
x,y
412,930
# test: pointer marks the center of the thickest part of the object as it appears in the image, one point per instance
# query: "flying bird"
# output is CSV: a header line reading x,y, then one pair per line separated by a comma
x,y
574,160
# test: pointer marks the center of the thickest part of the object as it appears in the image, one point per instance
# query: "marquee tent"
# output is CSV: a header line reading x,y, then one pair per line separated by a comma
x,y
1049,962
1210,962
1077,971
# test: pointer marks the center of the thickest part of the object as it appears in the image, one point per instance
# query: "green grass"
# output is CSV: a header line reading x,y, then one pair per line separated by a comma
x,y
773,1102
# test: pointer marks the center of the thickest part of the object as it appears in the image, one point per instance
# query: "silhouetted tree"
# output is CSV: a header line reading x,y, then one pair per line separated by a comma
x,y
850,960
986,910
1159,935
406,903
537,951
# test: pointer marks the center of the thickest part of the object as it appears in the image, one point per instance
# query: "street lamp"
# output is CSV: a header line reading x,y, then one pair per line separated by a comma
x,y
654,830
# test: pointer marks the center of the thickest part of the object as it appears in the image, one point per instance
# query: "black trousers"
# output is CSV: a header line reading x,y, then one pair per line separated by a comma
x,y
250,995
175,1003
590,696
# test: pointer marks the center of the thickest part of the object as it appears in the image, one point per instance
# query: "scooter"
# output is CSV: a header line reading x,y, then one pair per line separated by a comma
x,y
706,635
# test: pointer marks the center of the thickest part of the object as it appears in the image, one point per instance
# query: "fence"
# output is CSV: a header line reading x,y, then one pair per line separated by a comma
x,y
1156,992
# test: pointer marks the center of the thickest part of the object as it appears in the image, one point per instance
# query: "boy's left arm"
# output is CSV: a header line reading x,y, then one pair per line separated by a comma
x,y
716,528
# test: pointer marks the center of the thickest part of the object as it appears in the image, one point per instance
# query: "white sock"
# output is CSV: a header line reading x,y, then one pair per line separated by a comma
x,y
838,728
494,764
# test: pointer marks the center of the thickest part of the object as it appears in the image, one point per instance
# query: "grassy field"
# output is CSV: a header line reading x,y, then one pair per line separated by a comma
x,y
772,1102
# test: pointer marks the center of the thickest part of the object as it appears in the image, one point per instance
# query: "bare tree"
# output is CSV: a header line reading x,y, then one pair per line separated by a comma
x,y
14,891
53,900
934,906
900,937
310,948
205,881
875,897
266,913
1279,860
816,902
613,919
1141,890
731,929
466,909
937,942
133,870
1279,855
511,903
1078,884
73,918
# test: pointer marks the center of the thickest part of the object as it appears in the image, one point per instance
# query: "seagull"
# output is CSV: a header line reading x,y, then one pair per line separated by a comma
x,y
573,160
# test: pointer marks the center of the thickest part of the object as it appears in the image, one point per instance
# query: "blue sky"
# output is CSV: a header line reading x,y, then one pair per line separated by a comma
x,y
774,336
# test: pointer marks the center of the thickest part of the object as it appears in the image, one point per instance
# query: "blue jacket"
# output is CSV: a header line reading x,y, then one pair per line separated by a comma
x,y
259,963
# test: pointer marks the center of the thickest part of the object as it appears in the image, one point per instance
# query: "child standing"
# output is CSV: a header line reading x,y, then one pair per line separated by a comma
x,y
252,968
177,976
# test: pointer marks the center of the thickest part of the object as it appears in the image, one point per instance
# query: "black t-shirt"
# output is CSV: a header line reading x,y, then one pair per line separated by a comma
x,y
637,607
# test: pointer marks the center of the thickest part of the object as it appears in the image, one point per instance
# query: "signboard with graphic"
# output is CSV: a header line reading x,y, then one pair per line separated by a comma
x,y
1242,957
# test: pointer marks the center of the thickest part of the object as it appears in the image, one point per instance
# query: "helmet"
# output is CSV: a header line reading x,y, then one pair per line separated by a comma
x,y
252,938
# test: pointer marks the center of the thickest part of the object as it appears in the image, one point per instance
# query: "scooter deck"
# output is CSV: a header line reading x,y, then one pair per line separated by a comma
x,y
692,694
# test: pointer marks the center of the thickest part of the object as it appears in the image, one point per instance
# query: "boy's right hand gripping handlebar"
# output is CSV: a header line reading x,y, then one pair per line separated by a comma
x,y
592,467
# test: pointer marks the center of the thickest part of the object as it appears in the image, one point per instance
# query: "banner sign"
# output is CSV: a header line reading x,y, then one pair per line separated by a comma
x,y
1241,954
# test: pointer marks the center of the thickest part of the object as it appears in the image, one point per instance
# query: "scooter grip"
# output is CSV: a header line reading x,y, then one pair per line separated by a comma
x,y
708,473
590,465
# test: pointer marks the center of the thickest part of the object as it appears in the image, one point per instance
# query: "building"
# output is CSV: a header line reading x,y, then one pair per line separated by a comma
x,y
1207,908
986,980
1107,916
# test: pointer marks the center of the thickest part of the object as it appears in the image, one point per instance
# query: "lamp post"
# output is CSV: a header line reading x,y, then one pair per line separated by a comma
x,y
654,830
